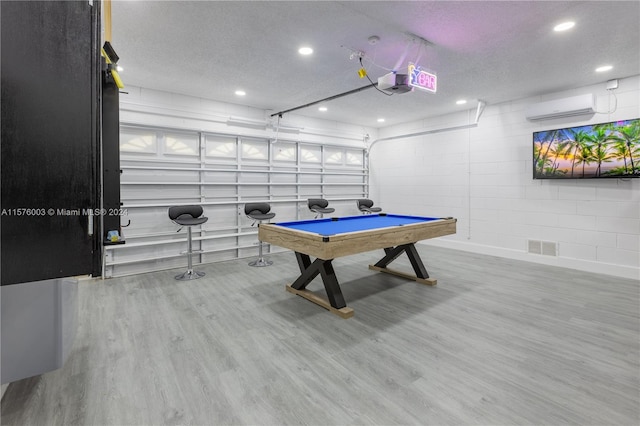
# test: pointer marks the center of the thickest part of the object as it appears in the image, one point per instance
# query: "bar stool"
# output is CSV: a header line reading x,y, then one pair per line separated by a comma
x,y
188,216
259,212
319,206
366,206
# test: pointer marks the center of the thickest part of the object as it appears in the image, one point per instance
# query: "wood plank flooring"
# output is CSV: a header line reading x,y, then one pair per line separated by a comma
x,y
496,342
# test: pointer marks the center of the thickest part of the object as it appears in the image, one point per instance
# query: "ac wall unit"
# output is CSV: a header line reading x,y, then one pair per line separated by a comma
x,y
566,107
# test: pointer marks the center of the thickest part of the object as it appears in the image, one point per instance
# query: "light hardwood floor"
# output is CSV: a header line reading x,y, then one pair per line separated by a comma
x,y
496,342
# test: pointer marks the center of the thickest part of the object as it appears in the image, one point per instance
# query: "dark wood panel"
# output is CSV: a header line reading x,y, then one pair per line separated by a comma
x,y
50,78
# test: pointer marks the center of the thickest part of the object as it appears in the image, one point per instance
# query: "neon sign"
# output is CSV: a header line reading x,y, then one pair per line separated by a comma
x,y
421,79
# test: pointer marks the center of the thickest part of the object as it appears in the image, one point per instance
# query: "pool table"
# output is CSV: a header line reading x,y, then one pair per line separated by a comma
x,y
329,238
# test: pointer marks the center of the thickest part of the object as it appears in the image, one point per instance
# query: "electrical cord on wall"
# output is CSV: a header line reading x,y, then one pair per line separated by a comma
x,y
615,106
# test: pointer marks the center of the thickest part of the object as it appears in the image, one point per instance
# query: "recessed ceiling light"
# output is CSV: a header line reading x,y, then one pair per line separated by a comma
x,y
240,92
461,102
604,68
323,109
305,51
380,120
564,26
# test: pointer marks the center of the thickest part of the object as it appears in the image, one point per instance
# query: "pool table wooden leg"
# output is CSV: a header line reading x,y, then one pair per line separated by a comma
x,y
308,273
422,276
309,270
304,262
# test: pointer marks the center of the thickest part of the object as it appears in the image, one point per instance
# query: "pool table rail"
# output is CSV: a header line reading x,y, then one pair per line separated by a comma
x,y
339,245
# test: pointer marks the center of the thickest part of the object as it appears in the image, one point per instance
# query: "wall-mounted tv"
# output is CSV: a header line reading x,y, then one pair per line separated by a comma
x,y
606,150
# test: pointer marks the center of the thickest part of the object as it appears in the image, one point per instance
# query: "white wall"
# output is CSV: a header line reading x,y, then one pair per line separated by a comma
x,y
483,177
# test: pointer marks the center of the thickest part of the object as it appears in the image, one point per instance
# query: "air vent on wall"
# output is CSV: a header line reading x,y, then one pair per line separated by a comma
x,y
547,248
534,247
566,107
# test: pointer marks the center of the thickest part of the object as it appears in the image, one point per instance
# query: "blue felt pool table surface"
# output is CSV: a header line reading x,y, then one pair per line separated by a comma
x,y
343,225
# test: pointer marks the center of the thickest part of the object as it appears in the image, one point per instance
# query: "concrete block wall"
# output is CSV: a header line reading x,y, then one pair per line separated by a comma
x,y
483,176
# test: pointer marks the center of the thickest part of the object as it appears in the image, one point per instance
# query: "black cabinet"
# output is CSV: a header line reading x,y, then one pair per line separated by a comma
x,y
50,140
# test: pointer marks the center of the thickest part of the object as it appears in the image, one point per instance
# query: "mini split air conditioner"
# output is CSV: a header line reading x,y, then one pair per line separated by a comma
x,y
566,107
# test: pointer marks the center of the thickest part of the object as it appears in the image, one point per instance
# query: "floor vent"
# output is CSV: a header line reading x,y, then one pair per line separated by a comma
x,y
546,248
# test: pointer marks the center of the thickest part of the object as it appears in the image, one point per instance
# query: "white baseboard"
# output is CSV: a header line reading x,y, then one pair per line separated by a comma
x,y
563,262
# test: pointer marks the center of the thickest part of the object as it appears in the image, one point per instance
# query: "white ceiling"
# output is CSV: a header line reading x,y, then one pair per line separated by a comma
x,y
492,51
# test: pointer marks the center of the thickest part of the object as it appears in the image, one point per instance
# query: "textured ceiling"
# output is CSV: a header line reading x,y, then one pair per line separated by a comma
x,y
493,51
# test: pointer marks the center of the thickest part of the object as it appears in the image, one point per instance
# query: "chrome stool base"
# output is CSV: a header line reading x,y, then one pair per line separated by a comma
x,y
261,262
189,275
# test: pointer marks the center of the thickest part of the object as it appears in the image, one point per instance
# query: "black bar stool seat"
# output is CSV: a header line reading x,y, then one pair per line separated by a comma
x,y
188,216
366,206
319,206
